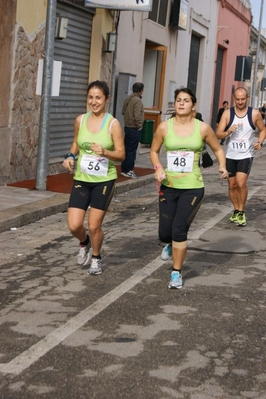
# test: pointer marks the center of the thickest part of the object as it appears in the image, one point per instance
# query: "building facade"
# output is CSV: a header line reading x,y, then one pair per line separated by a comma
x,y
179,43
258,78
233,36
164,56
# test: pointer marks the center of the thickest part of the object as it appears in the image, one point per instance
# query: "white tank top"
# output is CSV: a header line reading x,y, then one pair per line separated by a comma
x,y
239,145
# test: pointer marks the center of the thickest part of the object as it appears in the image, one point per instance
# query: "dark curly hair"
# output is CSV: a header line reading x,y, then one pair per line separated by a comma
x,y
188,91
103,86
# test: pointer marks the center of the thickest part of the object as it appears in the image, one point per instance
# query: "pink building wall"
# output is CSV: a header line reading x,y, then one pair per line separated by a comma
x,y
234,24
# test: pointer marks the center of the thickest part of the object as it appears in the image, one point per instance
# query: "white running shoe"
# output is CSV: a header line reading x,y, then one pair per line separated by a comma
x,y
130,174
176,280
167,252
96,266
83,257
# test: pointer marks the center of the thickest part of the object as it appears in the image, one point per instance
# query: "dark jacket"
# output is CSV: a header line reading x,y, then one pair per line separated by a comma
x,y
219,115
133,111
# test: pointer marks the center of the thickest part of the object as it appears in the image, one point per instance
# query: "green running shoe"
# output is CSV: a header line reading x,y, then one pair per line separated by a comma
x,y
241,219
233,218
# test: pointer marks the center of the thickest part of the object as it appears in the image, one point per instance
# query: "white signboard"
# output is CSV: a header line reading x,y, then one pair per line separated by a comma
x,y
129,5
57,67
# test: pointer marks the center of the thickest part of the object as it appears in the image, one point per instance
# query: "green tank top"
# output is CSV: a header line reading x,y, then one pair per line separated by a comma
x,y
183,154
92,168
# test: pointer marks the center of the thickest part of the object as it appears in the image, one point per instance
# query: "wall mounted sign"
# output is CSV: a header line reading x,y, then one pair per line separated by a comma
x,y
129,5
179,14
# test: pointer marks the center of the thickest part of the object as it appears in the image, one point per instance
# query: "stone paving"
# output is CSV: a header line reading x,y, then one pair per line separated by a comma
x,y
123,334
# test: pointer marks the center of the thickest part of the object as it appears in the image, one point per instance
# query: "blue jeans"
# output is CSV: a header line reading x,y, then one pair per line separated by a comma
x,y
132,139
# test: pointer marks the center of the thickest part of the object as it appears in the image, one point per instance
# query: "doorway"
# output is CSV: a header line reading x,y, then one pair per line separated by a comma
x,y
153,78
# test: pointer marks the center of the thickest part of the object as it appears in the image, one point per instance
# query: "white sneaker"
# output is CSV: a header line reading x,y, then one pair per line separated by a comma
x,y
175,280
83,257
130,174
167,252
96,266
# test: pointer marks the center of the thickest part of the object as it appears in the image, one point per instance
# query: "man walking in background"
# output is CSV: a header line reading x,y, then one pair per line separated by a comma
x,y
263,113
219,115
133,118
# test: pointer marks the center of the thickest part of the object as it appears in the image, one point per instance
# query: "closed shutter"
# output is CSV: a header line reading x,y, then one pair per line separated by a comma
x,y
193,63
74,52
217,85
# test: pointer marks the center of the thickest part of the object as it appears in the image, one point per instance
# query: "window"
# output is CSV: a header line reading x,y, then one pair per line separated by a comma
x,y
159,11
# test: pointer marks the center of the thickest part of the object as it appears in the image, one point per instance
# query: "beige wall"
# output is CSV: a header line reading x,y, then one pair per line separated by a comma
x,y
102,62
31,14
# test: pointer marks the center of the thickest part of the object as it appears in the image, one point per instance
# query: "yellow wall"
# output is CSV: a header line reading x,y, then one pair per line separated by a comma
x,y
31,14
102,24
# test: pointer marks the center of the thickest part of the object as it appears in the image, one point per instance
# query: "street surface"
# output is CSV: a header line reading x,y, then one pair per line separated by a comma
x,y
124,334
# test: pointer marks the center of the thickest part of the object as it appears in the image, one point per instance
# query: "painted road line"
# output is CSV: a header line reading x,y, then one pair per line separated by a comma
x,y
35,352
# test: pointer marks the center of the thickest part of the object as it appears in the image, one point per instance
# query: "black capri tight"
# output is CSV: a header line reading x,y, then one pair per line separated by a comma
x,y
177,210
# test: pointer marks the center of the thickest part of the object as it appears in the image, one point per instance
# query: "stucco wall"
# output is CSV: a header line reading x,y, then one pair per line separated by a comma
x,y
234,25
135,29
101,67
31,14
202,22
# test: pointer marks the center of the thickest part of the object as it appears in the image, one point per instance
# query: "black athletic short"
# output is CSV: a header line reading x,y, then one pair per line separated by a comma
x,y
97,195
177,209
238,165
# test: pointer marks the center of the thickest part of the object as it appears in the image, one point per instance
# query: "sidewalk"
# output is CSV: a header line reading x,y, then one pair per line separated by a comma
x,y
21,206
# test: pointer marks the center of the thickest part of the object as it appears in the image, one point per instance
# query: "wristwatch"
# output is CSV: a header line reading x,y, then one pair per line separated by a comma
x,y
70,155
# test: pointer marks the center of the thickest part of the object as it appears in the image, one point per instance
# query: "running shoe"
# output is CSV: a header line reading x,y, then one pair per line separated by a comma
x,y
176,280
130,174
84,255
241,219
233,218
96,266
167,252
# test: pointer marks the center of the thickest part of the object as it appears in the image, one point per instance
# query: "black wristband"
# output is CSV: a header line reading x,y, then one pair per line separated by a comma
x,y
70,155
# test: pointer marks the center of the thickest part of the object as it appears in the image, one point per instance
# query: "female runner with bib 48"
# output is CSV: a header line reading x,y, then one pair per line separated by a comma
x,y
182,187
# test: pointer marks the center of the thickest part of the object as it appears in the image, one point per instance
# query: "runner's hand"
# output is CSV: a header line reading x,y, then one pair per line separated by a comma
x,y
224,173
69,164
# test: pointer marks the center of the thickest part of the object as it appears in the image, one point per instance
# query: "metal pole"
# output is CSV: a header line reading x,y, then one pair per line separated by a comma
x,y
43,149
112,96
257,58
111,103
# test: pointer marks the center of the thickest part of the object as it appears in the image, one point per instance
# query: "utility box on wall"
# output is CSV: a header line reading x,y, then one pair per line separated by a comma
x,y
124,89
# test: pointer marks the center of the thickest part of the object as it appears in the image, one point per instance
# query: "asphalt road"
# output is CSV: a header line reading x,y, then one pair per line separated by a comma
x,y
124,334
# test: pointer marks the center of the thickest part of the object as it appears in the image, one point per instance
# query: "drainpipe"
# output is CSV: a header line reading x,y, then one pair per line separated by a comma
x,y
43,149
257,58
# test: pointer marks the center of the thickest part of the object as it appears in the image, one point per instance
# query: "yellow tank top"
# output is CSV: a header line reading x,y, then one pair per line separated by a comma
x,y
92,168
183,153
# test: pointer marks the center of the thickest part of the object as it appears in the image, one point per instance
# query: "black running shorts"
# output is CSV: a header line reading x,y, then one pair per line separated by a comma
x,y
96,195
238,165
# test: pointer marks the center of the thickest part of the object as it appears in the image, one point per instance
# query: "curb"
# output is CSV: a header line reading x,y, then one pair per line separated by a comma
x,y
28,213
